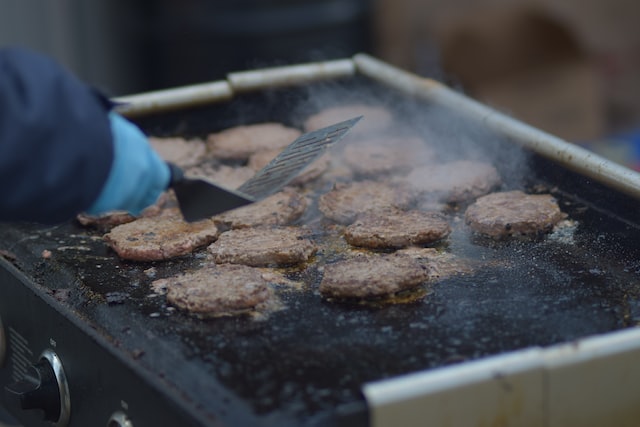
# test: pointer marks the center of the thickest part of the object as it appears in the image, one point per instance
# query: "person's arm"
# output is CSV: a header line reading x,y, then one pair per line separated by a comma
x,y
61,150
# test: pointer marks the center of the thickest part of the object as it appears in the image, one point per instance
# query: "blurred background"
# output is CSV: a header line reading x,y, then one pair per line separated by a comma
x,y
570,67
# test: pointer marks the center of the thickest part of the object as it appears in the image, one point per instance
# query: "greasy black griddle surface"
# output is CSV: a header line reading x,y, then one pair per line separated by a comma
x,y
301,364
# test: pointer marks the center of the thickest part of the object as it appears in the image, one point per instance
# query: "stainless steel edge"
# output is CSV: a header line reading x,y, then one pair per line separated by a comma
x,y
174,98
224,90
290,75
565,153
63,387
590,382
500,390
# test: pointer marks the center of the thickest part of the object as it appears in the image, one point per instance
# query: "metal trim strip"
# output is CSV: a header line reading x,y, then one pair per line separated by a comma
x,y
224,90
290,75
589,382
174,98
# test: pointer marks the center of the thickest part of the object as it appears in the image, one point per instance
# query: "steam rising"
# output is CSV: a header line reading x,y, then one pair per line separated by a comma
x,y
447,135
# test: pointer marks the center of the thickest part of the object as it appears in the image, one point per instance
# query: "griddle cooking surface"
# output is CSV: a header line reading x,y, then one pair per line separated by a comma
x,y
301,363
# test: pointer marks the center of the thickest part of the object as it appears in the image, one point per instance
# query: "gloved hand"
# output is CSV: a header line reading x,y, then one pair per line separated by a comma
x,y
138,175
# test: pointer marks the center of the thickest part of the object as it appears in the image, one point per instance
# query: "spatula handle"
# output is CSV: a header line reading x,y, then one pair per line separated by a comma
x,y
177,174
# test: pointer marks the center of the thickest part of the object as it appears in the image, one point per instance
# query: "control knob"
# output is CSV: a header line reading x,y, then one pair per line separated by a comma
x,y
43,387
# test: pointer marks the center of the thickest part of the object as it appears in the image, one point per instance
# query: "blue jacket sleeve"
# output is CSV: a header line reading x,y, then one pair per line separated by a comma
x,y
56,146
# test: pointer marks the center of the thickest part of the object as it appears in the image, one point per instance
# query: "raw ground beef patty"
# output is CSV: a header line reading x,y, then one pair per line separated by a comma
x,y
165,237
513,214
397,229
371,276
263,246
218,290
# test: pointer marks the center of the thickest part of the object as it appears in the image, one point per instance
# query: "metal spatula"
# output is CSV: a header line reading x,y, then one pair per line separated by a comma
x,y
199,198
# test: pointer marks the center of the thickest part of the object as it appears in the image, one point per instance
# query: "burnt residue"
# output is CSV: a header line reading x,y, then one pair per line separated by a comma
x,y
314,355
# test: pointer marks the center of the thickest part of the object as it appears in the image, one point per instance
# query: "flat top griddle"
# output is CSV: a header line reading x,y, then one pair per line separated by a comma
x,y
305,365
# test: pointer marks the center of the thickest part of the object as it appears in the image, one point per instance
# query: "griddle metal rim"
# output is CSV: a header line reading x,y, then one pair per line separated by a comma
x,y
174,98
238,82
568,384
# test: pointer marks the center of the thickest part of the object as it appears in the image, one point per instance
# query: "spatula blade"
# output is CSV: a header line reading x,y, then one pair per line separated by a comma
x,y
293,159
199,199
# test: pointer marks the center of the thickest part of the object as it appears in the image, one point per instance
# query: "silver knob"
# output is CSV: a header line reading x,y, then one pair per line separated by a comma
x,y
63,387
119,419
43,387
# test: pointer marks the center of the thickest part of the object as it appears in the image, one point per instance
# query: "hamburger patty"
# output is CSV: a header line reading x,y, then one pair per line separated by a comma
x,y
513,214
454,182
375,118
371,276
263,246
224,175
281,208
179,151
346,201
108,220
240,142
164,237
372,157
397,229
218,290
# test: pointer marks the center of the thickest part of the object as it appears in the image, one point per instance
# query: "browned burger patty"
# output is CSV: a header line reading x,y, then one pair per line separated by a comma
x,y
106,220
454,182
180,151
513,214
240,142
371,276
111,219
346,201
397,229
263,246
281,208
372,157
222,290
164,237
375,118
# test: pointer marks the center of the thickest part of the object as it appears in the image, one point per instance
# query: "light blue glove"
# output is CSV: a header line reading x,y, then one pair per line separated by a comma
x,y
138,175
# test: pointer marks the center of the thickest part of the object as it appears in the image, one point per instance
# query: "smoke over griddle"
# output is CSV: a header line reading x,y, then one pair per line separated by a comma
x,y
444,157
